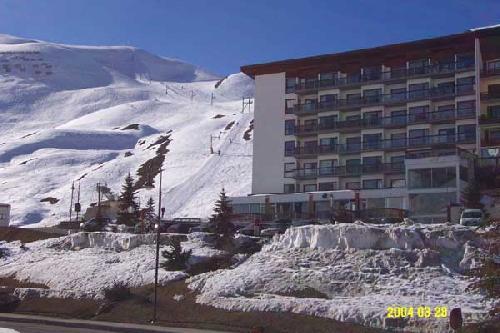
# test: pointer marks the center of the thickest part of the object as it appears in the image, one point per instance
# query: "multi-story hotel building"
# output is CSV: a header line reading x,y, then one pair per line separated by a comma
x,y
400,125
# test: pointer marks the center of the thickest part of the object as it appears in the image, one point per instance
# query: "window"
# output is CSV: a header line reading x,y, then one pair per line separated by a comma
x,y
327,79
493,66
418,114
398,94
398,183
418,90
431,178
466,109
398,159
431,203
352,185
372,73
372,183
446,135
353,144
289,148
289,188
328,186
353,98
308,82
328,99
289,127
289,170
290,84
372,164
418,66
418,137
372,141
465,85
398,140
353,166
467,133
372,95
327,122
289,104
494,112
398,117
309,187
445,88
465,60
372,118
464,173
326,167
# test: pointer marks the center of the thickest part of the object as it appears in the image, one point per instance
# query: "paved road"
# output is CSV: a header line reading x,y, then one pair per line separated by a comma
x,y
17,323
39,328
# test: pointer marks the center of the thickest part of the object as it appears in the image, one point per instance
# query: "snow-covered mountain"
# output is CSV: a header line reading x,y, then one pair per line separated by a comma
x,y
93,114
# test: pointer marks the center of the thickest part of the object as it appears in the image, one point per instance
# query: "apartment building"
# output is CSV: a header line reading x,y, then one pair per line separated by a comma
x,y
396,126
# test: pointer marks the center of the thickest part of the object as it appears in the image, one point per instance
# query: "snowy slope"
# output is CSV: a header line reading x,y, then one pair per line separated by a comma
x,y
65,113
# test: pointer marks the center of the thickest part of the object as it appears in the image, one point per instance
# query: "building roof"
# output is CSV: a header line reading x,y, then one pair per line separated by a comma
x,y
391,55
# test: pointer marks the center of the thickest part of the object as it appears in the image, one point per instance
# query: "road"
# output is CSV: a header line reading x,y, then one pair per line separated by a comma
x,y
17,323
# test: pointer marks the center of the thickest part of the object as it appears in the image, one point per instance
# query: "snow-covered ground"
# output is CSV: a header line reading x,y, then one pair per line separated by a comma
x,y
64,111
353,272
85,264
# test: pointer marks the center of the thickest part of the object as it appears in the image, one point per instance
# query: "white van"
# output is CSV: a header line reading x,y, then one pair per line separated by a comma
x,y
472,217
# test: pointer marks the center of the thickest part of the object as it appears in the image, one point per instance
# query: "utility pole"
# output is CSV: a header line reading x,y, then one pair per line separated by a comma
x,y
157,259
71,200
212,97
212,137
246,102
98,214
77,204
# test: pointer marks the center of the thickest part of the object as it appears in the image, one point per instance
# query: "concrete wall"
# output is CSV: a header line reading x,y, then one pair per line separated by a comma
x,y
269,138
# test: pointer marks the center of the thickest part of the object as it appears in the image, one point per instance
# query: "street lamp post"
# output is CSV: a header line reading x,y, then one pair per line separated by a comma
x,y
157,262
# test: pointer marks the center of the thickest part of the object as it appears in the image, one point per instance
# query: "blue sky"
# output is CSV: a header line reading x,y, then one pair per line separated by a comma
x,y
222,35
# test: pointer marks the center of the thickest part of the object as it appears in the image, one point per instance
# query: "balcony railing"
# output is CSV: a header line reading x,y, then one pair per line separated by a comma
x,y
442,116
383,99
393,74
347,171
490,96
384,144
490,142
489,119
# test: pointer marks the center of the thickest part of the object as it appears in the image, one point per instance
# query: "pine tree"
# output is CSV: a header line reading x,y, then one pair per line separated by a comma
x,y
222,215
472,195
127,200
176,258
150,210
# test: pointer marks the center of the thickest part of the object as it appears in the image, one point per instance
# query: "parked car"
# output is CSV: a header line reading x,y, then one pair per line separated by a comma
x,y
472,217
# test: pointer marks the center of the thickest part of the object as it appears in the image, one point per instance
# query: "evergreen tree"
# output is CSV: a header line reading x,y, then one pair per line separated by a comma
x,y
150,210
472,195
176,258
127,200
222,215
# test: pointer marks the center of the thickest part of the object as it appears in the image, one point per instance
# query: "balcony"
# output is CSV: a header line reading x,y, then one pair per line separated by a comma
x,y
491,96
306,130
305,152
395,74
387,99
348,171
489,119
490,142
490,72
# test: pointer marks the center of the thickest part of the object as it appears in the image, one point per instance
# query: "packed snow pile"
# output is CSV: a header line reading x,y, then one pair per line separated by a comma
x,y
85,264
90,114
353,272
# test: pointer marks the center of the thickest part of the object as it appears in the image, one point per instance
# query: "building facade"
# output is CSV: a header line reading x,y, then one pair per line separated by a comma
x,y
399,126
4,215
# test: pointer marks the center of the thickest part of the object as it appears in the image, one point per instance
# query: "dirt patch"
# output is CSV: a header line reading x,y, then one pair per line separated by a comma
x,y
149,169
131,127
51,200
11,282
217,116
228,126
10,234
248,133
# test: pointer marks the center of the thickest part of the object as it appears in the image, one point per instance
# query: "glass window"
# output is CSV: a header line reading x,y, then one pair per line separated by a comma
x,y
398,94
326,167
398,117
289,148
398,140
327,122
372,73
493,66
309,187
372,141
494,112
372,183
465,60
419,178
443,177
289,104
466,108
289,127
290,84
431,203
467,133
418,90
465,85
418,137
418,114
289,169
398,183
352,185
353,97
327,186
289,188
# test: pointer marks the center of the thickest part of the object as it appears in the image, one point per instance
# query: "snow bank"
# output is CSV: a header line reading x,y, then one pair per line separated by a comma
x,y
352,272
85,264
